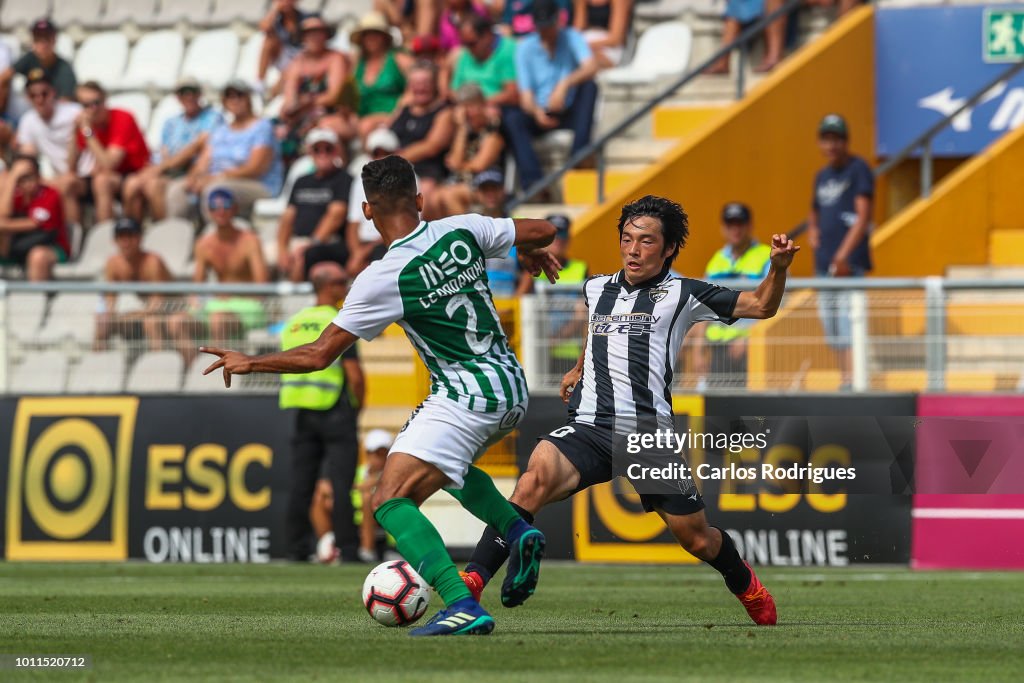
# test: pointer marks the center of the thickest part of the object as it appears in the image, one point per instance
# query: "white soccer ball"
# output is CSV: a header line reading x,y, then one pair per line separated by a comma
x,y
394,594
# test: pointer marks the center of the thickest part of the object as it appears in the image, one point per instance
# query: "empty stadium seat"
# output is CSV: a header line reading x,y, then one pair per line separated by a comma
x,y
71,317
174,11
198,383
663,50
23,12
156,372
122,11
42,372
172,239
65,47
77,12
99,372
226,11
97,247
12,43
102,57
211,57
167,107
25,312
135,103
336,10
154,61
249,62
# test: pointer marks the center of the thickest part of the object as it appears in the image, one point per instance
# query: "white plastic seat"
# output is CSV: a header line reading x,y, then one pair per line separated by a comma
x,y
65,47
249,62
336,10
154,61
99,372
663,50
97,247
122,11
135,103
198,383
77,13
166,108
172,239
211,57
227,11
173,11
156,372
71,316
102,57
13,45
128,302
23,12
25,312
276,206
43,372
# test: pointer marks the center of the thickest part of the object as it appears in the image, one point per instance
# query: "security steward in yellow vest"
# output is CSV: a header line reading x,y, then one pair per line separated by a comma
x,y
327,404
565,328
741,257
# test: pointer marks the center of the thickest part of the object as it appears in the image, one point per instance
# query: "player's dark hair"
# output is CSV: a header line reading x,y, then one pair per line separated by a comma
x,y
390,185
675,224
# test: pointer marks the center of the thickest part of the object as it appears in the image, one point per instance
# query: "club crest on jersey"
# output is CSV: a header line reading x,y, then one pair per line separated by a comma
x,y
657,294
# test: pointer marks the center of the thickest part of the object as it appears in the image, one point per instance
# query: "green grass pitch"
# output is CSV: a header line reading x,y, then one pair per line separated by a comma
x,y
586,623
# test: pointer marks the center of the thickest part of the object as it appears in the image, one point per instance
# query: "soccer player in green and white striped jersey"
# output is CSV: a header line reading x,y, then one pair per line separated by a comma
x,y
432,282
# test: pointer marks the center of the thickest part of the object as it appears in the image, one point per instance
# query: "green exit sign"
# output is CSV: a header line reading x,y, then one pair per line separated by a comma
x,y
1004,35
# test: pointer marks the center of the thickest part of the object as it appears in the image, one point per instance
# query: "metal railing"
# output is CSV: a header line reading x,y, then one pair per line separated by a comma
x,y
596,148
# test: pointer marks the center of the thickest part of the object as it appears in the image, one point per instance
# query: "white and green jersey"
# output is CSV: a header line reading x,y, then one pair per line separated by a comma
x,y
434,285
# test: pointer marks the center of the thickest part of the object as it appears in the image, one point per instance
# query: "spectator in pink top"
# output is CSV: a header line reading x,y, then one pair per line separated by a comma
x,y
454,13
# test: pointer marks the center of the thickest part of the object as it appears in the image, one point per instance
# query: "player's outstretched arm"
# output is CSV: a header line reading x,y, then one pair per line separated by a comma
x,y
317,355
764,301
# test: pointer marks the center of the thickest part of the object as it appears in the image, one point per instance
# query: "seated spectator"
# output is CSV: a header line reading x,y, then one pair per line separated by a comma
x,y
738,15
452,16
181,142
476,147
232,255
518,15
33,233
282,37
241,156
109,145
132,263
312,88
411,17
487,59
379,73
365,244
43,55
489,194
556,70
605,25
317,209
47,128
425,127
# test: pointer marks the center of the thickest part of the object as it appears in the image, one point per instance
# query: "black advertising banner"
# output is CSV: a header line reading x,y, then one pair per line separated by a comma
x,y
197,479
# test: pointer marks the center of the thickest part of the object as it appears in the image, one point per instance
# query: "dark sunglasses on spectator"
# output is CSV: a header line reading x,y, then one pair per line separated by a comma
x,y
90,104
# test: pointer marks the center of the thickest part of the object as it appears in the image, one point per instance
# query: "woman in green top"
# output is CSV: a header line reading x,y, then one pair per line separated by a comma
x,y
380,72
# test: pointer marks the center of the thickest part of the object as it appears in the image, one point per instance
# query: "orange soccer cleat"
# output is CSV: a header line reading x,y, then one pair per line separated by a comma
x,y
474,582
759,603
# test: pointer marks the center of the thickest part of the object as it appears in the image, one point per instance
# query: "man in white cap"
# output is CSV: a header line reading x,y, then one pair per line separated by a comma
x,y
317,208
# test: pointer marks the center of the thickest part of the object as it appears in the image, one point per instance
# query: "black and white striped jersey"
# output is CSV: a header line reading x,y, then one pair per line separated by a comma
x,y
633,339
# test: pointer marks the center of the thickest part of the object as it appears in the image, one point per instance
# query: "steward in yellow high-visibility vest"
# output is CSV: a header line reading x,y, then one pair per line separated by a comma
x,y
327,404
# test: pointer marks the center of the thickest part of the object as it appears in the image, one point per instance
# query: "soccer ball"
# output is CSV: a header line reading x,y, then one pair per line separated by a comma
x,y
394,594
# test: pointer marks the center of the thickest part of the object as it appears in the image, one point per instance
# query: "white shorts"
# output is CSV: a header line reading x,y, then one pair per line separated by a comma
x,y
451,437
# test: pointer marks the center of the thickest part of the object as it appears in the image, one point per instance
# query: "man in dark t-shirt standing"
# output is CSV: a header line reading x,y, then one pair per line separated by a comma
x,y
838,230
312,228
43,55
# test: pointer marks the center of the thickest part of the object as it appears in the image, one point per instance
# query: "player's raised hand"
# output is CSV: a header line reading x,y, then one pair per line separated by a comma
x,y
783,250
232,362
540,261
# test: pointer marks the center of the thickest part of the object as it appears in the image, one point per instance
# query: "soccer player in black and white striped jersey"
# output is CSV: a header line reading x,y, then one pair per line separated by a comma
x,y
638,318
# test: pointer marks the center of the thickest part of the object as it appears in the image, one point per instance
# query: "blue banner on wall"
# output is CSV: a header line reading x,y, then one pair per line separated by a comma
x,y
929,60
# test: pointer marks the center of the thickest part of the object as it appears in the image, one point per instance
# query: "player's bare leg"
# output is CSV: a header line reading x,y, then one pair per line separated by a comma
x,y
714,546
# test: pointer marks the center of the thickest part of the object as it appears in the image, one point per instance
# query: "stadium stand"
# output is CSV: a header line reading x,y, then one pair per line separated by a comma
x,y
21,13
663,50
25,312
212,73
156,372
154,62
65,321
171,13
44,372
227,11
82,13
120,12
97,247
102,58
171,238
135,103
98,372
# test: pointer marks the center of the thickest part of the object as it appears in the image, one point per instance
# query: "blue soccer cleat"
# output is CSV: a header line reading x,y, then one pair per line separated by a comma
x,y
526,549
462,618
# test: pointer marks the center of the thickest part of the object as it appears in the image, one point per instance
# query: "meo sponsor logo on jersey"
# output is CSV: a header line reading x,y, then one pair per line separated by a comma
x,y
633,324
448,264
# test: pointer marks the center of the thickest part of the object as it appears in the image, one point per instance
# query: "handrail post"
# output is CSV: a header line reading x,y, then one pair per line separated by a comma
x,y
600,174
859,356
4,335
529,340
926,169
935,333
741,70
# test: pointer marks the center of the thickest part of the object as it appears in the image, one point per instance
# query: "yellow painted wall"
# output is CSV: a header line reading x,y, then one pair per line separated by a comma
x,y
762,151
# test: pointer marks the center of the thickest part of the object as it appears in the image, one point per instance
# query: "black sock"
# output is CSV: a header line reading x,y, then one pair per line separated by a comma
x,y
492,550
730,565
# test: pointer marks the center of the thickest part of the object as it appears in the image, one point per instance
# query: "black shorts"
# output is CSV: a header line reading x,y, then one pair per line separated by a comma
x,y
589,449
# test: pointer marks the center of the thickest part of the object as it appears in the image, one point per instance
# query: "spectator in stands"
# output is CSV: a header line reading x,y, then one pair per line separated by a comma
x,y
283,38
738,15
412,17
427,48
241,156
46,129
722,348
425,127
365,243
775,32
556,70
33,233
109,145
132,263
44,56
181,141
317,210
313,85
487,59
838,230
232,255
452,16
476,147
380,72
518,15
605,25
